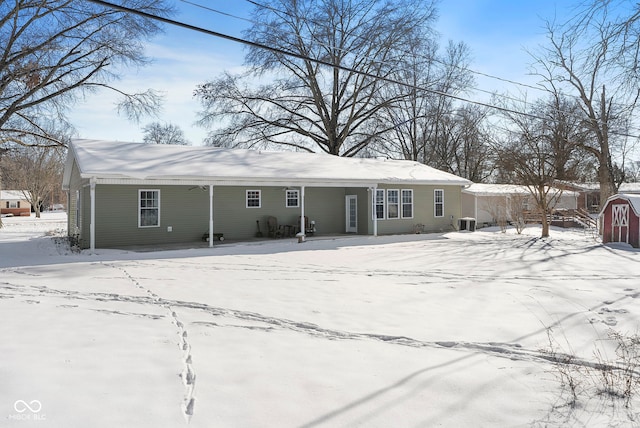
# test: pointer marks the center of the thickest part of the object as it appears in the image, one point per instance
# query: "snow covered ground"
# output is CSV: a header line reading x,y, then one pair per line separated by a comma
x,y
400,331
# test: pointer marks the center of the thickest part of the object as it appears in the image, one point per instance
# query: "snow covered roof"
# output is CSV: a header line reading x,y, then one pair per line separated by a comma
x,y
633,199
624,187
629,188
580,186
12,195
105,160
480,189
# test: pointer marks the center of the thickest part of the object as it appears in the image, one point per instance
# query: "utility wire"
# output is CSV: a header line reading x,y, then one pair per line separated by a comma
x,y
434,59
303,57
320,62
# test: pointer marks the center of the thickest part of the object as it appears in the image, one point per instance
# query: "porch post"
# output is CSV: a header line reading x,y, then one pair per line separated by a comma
x,y
210,215
302,228
92,225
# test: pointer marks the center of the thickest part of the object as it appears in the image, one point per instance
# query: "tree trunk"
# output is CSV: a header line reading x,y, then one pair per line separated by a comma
x,y
608,185
545,224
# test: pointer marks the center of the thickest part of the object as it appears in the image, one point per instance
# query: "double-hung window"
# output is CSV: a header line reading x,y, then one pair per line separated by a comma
x,y
379,204
407,203
393,201
438,203
292,198
254,199
149,208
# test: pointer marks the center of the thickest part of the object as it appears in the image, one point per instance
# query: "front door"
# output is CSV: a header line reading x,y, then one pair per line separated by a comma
x,y
352,213
620,223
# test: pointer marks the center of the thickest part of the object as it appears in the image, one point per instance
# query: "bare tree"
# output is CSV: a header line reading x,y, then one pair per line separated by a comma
x,y
53,52
35,170
424,113
164,133
329,63
497,207
468,138
536,150
589,58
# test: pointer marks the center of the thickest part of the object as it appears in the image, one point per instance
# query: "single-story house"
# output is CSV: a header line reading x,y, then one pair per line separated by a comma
x,y
620,219
485,202
122,194
13,202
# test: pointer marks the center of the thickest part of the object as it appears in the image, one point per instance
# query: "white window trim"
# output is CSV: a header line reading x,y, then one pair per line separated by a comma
x,y
397,204
435,203
375,204
297,198
246,199
140,208
402,203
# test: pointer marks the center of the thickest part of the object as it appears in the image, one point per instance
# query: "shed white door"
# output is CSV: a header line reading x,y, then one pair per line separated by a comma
x,y
620,223
351,203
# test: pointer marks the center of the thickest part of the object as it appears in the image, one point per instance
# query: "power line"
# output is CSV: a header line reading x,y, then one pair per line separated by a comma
x,y
320,62
434,59
217,11
302,57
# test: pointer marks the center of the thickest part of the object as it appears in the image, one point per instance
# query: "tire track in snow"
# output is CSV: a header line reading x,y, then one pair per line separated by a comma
x,y
187,375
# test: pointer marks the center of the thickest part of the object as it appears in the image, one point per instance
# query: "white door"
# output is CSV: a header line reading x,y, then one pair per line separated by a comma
x,y
620,222
352,213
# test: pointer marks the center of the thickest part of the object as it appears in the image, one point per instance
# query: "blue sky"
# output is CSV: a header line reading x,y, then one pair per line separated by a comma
x,y
497,31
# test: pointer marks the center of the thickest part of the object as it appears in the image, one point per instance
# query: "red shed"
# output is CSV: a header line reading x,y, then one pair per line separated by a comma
x,y
620,219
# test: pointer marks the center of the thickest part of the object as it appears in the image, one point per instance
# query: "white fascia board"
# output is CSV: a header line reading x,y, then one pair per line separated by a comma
x,y
257,181
204,181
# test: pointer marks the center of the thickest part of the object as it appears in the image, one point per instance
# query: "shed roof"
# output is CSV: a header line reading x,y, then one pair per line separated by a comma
x,y
633,199
138,161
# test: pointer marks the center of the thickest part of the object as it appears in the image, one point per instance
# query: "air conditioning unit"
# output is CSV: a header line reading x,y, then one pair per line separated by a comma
x,y
467,224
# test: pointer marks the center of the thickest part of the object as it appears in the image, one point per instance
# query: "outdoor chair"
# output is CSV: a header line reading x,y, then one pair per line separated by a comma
x,y
273,230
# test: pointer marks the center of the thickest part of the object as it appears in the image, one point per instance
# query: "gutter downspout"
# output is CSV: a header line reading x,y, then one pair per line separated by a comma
x,y
211,216
92,225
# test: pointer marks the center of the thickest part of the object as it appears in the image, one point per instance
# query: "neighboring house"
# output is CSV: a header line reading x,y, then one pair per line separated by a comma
x,y
122,194
620,219
589,193
13,202
485,202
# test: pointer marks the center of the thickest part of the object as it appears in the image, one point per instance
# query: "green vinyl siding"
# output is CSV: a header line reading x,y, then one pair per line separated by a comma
x,y
423,210
184,209
231,216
